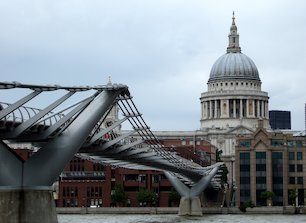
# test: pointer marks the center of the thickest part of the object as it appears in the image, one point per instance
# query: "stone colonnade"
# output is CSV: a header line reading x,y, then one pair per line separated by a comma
x,y
235,108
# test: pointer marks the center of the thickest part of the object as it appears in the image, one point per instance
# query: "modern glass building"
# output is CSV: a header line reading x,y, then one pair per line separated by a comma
x,y
280,119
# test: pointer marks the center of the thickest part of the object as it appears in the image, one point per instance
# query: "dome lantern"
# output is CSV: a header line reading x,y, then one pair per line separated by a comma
x,y
233,38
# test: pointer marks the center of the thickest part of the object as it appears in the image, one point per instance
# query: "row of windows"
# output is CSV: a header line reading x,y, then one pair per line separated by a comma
x,y
73,191
70,191
134,177
262,155
73,202
274,143
98,167
289,143
299,168
70,202
191,142
94,191
77,165
241,83
299,156
295,180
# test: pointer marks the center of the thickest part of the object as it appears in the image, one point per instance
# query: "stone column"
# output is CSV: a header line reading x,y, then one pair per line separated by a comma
x,y
221,108
234,108
267,109
247,108
253,107
203,109
216,109
258,108
228,109
210,109
241,108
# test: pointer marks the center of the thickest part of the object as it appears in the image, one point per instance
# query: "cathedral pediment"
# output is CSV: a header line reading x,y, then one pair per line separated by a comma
x,y
240,130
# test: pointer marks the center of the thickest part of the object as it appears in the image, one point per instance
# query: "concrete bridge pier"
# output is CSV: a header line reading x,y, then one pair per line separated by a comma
x,y
190,206
190,203
27,205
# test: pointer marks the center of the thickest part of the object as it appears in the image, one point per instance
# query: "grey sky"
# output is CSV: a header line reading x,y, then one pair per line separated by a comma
x,y
163,50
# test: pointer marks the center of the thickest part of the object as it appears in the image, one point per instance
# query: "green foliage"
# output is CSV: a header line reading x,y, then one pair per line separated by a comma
x,y
292,196
267,195
119,196
218,155
248,204
174,196
147,197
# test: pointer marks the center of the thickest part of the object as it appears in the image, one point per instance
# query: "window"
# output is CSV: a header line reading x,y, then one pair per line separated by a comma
x,y
299,155
299,143
291,180
277,177
291,168
290,143
260,155
299,167
299,180
245,143
291,155
276,142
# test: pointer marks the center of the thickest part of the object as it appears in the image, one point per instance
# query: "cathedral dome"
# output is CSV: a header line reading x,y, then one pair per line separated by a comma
x,y
234,65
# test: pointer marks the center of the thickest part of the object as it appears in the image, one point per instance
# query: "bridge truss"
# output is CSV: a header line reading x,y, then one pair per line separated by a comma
x,y
71,122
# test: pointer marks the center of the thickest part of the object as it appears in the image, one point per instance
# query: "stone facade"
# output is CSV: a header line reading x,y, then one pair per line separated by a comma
x,y
270,161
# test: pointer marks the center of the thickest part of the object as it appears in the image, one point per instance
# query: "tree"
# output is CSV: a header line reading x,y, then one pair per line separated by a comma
x,y
147,197
174,196
218,155
268,196
119,196
292,196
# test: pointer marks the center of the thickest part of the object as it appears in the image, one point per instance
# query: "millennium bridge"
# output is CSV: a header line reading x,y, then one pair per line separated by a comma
x,y
69,124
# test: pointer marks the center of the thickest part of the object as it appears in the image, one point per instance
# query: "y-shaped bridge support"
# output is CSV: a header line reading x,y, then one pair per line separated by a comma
x,y
190,203
25,193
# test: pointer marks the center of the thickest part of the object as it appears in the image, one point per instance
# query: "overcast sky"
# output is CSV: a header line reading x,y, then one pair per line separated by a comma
x,y
163,50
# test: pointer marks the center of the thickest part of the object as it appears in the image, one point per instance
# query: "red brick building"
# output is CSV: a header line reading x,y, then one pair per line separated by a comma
x,y
86,183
